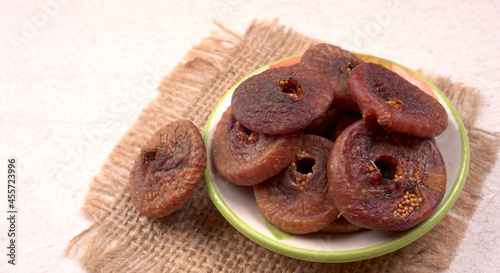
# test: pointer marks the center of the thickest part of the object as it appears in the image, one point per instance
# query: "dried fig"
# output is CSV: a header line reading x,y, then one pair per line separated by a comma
x,y
345,120
325,125
168,169
247,158
297,200
385,180
335,63
281,100
397,104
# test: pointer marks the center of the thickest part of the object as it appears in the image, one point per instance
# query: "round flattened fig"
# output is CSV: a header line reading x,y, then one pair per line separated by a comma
x,y
297,200
341,225
168,169
385,180
281,100
397,104
335,63
247,158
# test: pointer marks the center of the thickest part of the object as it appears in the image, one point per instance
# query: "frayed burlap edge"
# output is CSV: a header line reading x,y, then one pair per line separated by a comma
x,y
197,238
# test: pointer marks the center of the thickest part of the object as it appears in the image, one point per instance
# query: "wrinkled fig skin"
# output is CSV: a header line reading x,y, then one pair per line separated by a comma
x,y
345,120
281,100
397,104
168,169
297,200
341,225
247,158
325,125
335,63
371,172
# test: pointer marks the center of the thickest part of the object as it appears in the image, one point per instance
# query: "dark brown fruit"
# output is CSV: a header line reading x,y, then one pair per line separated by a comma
x,y
168,169
247,158
345,120
341,225
281,100
297,200
397,104
325,125
385,180
335,63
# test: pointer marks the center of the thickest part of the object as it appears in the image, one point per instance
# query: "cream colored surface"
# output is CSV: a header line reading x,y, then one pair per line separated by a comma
x,y
75,74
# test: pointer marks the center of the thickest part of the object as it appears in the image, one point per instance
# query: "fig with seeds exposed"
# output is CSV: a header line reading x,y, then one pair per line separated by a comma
x,y
397,104
297,200
385,180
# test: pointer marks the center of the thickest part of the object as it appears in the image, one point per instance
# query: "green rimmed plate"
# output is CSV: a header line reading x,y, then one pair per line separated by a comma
x,y
237,204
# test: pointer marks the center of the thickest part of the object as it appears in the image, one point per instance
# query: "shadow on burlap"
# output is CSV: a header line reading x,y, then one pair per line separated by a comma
x,y
197,238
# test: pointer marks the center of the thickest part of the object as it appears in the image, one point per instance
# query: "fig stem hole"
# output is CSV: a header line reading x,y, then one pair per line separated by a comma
x,y
386,166
292,87
245,130
150,156
305,165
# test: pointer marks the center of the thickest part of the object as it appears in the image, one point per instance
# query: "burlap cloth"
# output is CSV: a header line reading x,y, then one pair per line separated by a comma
x,y
197,238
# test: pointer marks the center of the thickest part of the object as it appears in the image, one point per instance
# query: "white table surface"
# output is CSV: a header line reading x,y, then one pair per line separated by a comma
x,y
74,75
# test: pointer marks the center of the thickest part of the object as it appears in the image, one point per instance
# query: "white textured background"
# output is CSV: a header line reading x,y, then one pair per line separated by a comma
x,y
74,75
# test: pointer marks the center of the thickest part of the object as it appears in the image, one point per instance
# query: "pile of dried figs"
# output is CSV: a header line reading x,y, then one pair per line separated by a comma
x,y
334,144
331,144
